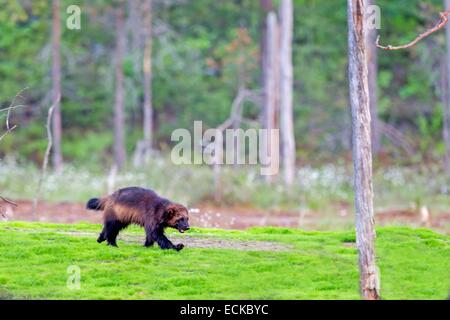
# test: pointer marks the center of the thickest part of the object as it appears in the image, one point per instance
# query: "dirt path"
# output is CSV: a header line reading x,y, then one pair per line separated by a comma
x,y
188,240
210,216
208,242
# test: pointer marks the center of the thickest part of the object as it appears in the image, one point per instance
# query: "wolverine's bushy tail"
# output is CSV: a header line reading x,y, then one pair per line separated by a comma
x,y
95,204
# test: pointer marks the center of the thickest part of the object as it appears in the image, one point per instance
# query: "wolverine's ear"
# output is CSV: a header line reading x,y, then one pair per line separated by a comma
x,y
171,210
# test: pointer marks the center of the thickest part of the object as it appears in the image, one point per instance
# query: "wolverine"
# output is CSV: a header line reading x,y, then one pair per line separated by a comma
x,y
142,207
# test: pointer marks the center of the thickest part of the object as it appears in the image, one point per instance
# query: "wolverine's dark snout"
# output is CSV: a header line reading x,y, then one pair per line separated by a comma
x,y
182,225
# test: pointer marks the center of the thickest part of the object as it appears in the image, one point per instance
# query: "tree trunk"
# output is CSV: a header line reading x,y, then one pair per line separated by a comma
x,y
119,117
134,25
147,64
56,80
266,7
444,100
286,85
271,81
362,152
446,106
372,66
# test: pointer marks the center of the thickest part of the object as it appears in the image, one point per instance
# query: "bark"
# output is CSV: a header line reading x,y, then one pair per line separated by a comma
x,y
147,65
446,106
286,86
266,7
362,152
372,66
56,91
134,25
119,117
271,80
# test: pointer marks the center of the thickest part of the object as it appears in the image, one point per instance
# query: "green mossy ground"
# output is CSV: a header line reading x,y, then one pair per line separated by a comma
x,y
34,258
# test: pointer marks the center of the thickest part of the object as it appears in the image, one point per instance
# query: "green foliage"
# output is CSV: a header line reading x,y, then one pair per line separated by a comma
x,y
34,258
201,50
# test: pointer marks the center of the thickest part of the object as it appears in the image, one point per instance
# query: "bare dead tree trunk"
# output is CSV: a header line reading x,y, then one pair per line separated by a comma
x,y
271,80
56,80
237,120
276,70
134,25
446,106
119,116
372,66
362,152
286,87
147,64
266,7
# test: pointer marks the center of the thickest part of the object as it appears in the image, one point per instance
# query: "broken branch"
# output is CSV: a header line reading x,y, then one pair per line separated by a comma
x,y
7,132
9,201
439,25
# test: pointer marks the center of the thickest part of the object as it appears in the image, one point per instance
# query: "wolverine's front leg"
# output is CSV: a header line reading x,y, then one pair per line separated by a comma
x,y
150,236
165,243
102,236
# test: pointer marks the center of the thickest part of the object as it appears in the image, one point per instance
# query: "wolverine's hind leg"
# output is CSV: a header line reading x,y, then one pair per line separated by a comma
x,y
111,228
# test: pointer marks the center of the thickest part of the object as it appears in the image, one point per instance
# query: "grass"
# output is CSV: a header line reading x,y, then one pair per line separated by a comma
x,y
34,258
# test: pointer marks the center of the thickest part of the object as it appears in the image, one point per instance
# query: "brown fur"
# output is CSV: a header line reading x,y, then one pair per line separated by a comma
x,y
142,207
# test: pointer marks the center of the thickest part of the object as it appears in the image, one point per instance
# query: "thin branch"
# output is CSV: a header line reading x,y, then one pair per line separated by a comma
x,y
13,107
235,117
439,25
243,95
8,201
397,138
8,114
18,94
47,154
7,132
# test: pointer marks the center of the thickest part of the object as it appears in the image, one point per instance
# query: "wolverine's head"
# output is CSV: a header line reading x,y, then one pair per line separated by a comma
x,y
177,217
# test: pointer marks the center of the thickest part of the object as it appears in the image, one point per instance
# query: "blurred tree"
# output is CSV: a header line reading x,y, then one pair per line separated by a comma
x,y
119,114
266,6
147,63
372,63
286,87
56,81
271,84
446,104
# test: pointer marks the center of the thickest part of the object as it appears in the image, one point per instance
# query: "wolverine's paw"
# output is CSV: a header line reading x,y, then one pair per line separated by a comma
x,y
179,246
148,244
